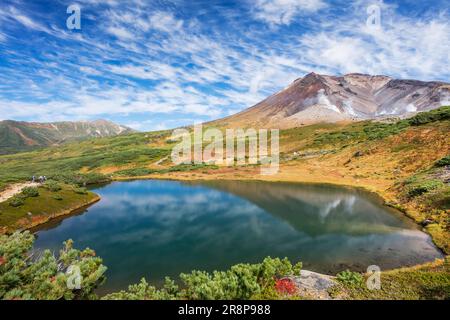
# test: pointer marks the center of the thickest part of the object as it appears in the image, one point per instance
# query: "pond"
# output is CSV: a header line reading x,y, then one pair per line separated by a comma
x,y
155,228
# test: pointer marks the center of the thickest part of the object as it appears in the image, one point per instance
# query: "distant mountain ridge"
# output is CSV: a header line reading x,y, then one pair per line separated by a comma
x,y
16,136
323,98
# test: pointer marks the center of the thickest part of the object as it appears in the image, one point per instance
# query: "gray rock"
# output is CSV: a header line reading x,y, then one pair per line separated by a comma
x,y
314,285
427,222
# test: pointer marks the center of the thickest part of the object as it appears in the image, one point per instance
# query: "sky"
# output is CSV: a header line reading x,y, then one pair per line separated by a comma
x,y
158,64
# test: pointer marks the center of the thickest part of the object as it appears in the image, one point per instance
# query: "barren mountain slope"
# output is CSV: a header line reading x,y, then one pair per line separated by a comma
x,y
321,98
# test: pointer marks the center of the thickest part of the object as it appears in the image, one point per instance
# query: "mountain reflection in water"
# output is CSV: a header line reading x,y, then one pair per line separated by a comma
x,y
156,228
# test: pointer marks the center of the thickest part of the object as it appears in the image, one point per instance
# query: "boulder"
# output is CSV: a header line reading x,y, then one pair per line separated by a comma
x,y
314,285
426,222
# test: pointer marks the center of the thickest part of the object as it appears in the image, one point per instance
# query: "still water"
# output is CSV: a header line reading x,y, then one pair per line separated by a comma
x,y
156,228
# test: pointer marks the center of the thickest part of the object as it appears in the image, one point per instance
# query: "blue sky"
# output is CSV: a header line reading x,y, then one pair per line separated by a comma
x,y
161,64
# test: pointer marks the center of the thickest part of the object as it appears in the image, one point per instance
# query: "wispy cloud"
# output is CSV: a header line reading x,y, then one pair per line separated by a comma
x,y
163,64
165,21
402,46
283,12
120,33
12,14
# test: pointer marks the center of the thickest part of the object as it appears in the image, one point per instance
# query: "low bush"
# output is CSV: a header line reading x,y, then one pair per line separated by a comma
x,y
80,190
424,187
30,192
52,186
442,113
25,275
369,131
373,130
136,172
80,179
191,167
350,278
241,281
443,162
178,168
16,201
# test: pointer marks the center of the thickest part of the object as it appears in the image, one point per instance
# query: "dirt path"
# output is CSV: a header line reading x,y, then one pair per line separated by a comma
x,y
15,189
158,163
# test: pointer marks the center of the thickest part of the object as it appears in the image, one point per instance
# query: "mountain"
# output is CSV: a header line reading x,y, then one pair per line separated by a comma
x,y
322,98
16,136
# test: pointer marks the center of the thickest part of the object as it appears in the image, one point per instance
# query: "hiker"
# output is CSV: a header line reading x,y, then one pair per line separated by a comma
x,y
33,179
45,178
41,179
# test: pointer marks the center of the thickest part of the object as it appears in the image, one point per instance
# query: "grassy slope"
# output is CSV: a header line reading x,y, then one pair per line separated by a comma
x,y
393,163
22,136
428,281
104,155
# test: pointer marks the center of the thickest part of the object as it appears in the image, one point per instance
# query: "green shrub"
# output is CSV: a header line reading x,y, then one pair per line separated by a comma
x,y
58,197
52,186
373,130
16,201
191,167
369,131
135,172
178,168
80,190
25,275
376,130
442,113
80,179
241,281
427,186
351,278
30,192
144,291
443,162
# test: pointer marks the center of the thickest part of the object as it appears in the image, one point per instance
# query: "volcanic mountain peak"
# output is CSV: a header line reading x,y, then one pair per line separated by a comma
x,y
355,96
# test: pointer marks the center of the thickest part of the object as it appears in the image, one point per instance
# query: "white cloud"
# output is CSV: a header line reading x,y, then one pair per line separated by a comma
x,y
402,47
11,13
283,12
150,71
165,21
90,71
120,33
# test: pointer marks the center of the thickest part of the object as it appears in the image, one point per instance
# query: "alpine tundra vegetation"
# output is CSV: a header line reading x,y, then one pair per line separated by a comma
x,y
404,161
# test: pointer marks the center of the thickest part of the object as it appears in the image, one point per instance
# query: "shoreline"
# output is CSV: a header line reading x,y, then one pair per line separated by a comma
x,y
13,189
382,197
64,214
42,220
